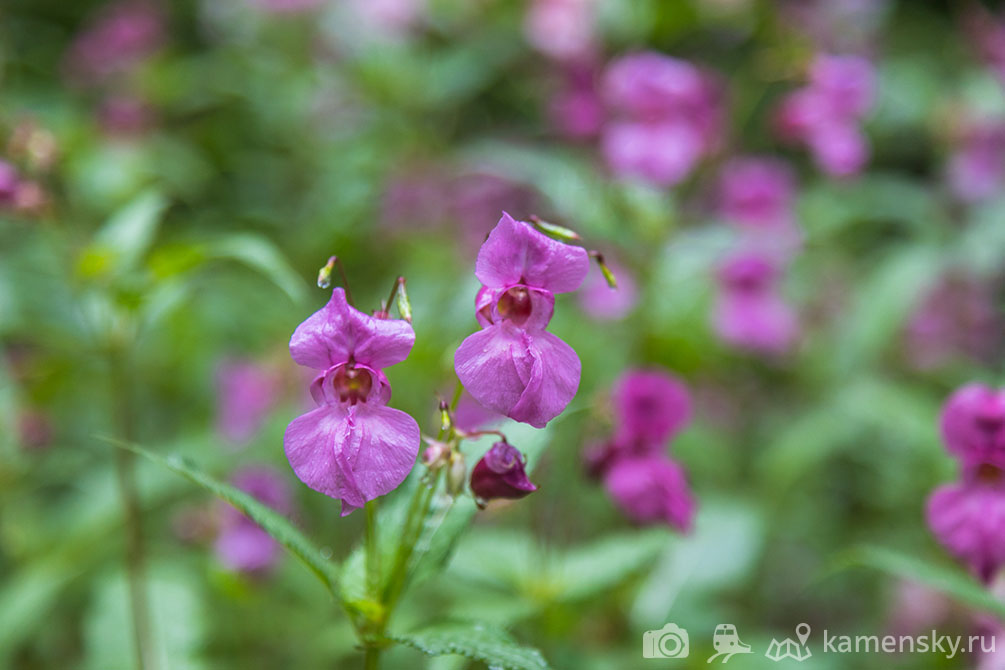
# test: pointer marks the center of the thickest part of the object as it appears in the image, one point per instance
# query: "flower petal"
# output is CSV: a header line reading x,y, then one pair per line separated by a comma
x,y
516,253
337,331
528,377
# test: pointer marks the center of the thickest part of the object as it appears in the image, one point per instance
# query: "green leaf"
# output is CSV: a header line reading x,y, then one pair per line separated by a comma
x,y
948,579
260,255
126,237
476,641
275,524
177,623
599,566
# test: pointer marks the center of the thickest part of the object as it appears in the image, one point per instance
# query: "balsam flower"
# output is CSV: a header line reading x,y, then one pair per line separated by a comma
x,y
651,489
243,545
973,425
757,193
246,393
500,473
750,313
968,519
650,407
352,446
513,366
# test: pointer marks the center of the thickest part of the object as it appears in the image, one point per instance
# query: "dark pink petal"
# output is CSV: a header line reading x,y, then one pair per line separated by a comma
x,y
648,84
973,425
500,473
354,454
529,378
651,406
651,489
338,331
968,519
847,83
516,253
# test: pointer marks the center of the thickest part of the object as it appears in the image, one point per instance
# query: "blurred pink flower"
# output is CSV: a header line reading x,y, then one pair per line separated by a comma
x,y
390,20
827,113
958,317
577,110
667,116
651,489
561,29
750,314
121,36
973,425
246,392
603,303
9,181
475,200
513,366
968,519
976,169
757,192
650,407
123,115
242,545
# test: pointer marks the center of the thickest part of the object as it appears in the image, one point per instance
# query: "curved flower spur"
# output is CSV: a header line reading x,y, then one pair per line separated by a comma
x,y
514,366
352,447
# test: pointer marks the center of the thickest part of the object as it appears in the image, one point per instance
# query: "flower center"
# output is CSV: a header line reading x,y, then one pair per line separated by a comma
x,y
988,474
352,385
515,305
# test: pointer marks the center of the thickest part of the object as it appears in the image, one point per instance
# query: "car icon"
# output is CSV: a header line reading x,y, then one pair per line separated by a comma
x,y
726,642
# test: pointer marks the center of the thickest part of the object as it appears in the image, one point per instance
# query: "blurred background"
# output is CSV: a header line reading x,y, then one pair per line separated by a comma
x,y
802,202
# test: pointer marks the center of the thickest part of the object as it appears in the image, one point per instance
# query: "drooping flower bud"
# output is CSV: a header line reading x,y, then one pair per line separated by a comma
x,y
500,474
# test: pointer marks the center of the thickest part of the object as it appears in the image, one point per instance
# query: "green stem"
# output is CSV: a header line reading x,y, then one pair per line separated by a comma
x,y
371,661
132,512
372,552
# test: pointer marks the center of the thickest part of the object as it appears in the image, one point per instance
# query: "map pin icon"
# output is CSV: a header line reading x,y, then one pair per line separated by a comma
x,y
803,633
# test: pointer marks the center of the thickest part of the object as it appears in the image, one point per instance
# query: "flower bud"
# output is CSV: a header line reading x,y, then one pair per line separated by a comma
x,y
500,474
436,455
456,474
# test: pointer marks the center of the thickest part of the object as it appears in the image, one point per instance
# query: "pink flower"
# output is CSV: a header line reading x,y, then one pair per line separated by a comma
x,y
603,303
749,313
651,407
757,192
576,109
352,446
825,115
9,182
561,29
968,519
243,545
976,170
500,473
123,34
513,366
651,489
973,425
125,116
246,393
668,117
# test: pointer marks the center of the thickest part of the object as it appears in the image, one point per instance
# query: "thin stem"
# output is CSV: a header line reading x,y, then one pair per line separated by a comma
x,y
371,661
132,512
394,294
372,551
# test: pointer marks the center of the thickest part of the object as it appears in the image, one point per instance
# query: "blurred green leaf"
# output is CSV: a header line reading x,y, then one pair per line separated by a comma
x,y
125,238
948,579
476,641
176,618
275,524
585,571
261,255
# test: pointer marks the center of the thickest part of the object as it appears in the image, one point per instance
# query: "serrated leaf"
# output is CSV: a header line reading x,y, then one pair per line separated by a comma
x,y
261,255
275,524
948,579
479,642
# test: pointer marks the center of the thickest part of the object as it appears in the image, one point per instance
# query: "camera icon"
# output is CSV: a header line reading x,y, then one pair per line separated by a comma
x,y
668,642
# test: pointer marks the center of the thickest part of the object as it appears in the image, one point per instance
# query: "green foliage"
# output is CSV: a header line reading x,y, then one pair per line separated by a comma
x,y
476,641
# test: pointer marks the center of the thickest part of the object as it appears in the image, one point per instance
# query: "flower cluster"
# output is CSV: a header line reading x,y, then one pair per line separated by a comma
x,y
650,408
667,117
514,366
826,114
750,312
968,516
242,545
352,447
117,40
